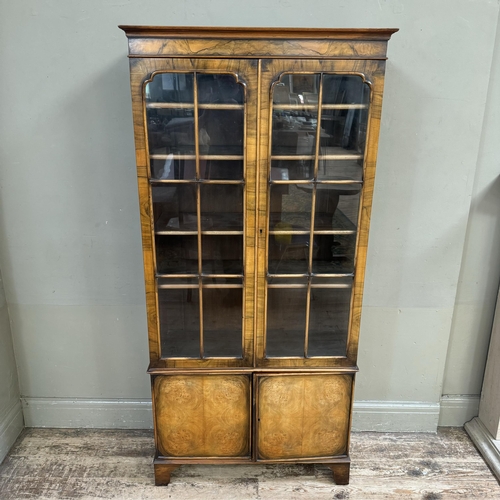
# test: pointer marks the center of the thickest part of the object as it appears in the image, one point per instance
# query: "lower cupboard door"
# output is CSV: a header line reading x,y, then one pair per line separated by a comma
x,y
202,415
303,416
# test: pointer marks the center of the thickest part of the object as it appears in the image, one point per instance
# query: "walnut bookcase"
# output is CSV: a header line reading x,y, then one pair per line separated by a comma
x,y
256,152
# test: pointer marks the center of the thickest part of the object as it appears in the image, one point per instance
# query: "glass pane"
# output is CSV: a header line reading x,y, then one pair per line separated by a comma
x,y
290,207
280,282
328,321
345,89
222,207
344,282
285,170
334,253
296,89
221,131
294,132
337,207
286,317
179,322
176,254
333,170
170,131
288,253
222,254
187,282
174,207
222,88
223,282
170,87
222,321
171,167
221,169
170,128
346,215
344,127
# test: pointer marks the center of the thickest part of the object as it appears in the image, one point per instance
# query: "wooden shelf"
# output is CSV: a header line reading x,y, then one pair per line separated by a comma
x,y
190,105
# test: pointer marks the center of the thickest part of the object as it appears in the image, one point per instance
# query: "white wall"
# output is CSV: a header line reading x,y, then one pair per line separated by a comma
x,y
11,416
69,224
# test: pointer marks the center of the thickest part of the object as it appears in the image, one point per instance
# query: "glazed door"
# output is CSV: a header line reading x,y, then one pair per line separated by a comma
x,y
197,180
318,152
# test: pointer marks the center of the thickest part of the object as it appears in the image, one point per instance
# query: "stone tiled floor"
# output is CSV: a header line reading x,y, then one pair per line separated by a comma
x,y
116,464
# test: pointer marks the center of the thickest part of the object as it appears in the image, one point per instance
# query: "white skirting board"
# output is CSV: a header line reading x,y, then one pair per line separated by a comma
x,y
381,416
88,413
395,416
458,409
487,446
10,427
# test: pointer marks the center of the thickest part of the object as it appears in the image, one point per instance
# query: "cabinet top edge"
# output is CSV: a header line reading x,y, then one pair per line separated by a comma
x,y
239,32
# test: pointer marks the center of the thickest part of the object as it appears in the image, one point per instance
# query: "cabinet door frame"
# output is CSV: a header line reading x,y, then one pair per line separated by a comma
x,y
372,72
334,416
142,70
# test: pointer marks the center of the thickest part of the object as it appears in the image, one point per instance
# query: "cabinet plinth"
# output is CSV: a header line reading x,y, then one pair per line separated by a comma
x,y
256,163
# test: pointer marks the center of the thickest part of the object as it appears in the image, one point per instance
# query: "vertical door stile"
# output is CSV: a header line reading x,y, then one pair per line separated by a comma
x,y
259,233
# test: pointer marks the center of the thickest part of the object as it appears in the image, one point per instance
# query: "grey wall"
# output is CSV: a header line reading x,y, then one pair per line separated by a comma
x,y
480,272
69,225
11,418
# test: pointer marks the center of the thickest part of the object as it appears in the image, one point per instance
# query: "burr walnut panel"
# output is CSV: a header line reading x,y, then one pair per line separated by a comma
x,y
202,415
303,416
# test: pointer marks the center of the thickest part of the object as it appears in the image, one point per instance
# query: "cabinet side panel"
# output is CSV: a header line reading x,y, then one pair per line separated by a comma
x,y
138,72
202,415
303,416
376,77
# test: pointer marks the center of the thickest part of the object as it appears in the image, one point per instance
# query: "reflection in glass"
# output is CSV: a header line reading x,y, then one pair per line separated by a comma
x,y
290,207
170,131
286,320
170,128
176,254
169,167
346,215
222,254
345,127
221,169
174,207
285,170
288,253
334,253
170,87
222,207
296,90
344,115
328,321
337,206
222,321
332,169
219,88
221,132
294,132
345,89
172,280
179,322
